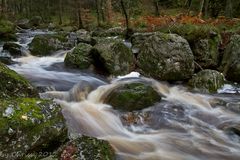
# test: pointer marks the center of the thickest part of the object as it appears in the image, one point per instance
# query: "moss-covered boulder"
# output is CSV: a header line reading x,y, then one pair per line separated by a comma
x,y
204,41
207,81
112,56
30,126
79,57
43,45
5,58
231,59
87,148
83,36
23,23
166,57
137,39
13,48
133,96
14,85
7,30
206,53
111,32
36,21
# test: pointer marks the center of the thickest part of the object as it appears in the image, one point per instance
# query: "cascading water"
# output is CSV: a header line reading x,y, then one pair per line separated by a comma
x,y
48,71
183,126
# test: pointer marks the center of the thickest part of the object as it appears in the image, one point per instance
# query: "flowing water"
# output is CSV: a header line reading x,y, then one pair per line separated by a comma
x,y
182,126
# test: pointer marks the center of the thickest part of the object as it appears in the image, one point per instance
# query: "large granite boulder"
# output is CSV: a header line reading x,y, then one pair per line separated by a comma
x,y
87,148
43,45
13,48
30,126
206,52
80,57
207,81
7,30
5,58
36,21
132,96
23,23
137,40
231,59
112,56
13,85
166,57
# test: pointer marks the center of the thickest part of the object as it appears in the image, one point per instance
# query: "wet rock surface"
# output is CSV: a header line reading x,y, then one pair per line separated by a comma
x,y
133,96
29,126
43,45
80,57
13,48
207,81
231,60
14,85
87,148
166,57
112,56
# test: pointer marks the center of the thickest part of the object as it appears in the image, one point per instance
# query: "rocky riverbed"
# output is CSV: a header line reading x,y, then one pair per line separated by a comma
x,y
58,85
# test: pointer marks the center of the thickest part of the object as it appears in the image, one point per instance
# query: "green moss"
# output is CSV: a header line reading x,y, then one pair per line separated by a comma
x,y
61,36
165,57
43,45
134,96
88,148
14,85
6,27
207,81
7,30
80,57
30,125
112,56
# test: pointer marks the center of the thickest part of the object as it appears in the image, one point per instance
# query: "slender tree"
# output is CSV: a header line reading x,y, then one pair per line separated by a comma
x,y
109,10
97,11
156,5
79,14
229,9
60,12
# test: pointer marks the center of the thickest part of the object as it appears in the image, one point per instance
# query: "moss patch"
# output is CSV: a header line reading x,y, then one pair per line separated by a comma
x,y
207,81
87,148
134,96
14,85
80,57
30,125
43,45
7,30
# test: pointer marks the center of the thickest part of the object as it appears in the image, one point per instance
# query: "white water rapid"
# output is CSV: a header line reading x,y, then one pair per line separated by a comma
x,y
182,126
189,129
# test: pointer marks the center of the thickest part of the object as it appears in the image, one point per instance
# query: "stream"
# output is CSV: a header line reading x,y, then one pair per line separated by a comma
x,y
183,126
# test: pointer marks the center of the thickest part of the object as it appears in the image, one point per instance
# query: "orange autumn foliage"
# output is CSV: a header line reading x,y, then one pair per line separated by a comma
x,y
151,23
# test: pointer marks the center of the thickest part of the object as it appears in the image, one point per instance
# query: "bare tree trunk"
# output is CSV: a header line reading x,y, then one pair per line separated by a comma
x,y
189,5
201,9
206,4
109,10
79,15
229,9
156,4
126,18
102,10
60,12
97,11
3,7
